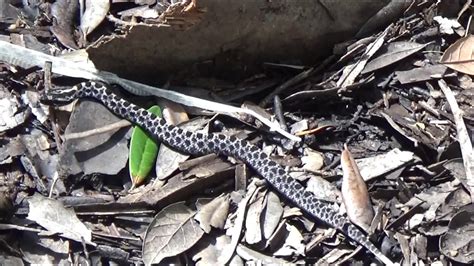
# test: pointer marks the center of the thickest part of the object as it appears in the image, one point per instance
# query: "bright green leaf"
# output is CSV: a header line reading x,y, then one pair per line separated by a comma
x,y
143,152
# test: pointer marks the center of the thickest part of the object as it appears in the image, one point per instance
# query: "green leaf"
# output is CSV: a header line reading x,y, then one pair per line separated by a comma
x,y
143,152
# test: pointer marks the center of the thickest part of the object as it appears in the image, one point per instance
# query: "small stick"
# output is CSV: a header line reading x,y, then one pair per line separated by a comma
x,y
96,131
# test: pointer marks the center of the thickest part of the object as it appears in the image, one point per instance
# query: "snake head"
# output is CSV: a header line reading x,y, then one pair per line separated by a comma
x,y
60,96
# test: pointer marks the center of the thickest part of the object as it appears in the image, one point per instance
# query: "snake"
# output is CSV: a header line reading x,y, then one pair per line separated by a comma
x,y
197,143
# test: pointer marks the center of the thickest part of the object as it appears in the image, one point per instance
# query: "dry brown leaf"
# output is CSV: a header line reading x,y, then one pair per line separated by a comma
x,y
10,115
352,71
293,243
427,72
253,226
354,192
463,137
237,229
52,215
457,243
334,256
172,232
251,255
208,168
271,214
395,52
459,55
93,15
64,11
210,250
322,188
312,160
381,164
214,213
168,160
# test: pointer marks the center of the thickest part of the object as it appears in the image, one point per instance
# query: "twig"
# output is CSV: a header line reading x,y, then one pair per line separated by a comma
x,y
294,80
351,72
47,86
53,184
126,23
462,135
96,131
278,110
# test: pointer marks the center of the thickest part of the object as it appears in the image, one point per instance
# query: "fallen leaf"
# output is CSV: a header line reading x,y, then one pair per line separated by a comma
x,y
427,72
459,55
210,251
140,12
352,71
143,152
168,160
10,116
354,192
293,243
463,136
213,213
252,255
88,154
64,12
458,242
8,13
93,15
11,148
322,188
208,168
271,215
394,52
253,232
446,25
172,232
237,229
52,215
375,166
312,160
332,257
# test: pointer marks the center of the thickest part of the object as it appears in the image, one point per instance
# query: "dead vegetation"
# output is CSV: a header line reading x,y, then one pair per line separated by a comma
x,y
386,125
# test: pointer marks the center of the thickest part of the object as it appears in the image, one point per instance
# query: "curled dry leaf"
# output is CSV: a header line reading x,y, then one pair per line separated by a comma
x,y
52,215
172,232
64,11
321,187
459,55
93,15
462,135
352,71
457,243
354,192
447,25
293,243
10,116
237,229
214,213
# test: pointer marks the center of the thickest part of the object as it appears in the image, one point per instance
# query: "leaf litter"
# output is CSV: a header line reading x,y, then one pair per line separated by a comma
x,y
400,100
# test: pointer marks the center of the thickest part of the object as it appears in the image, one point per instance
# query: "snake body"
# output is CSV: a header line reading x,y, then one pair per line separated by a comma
x,y
196,143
